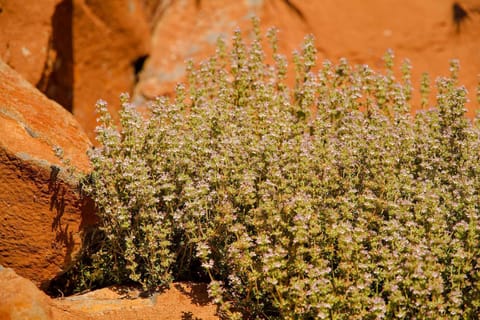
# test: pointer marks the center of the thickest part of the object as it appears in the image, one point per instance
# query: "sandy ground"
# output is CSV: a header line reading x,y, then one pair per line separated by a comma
x,y
182,301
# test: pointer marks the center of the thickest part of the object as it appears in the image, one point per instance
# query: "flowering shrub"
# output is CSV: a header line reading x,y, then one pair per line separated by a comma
x,y
328,200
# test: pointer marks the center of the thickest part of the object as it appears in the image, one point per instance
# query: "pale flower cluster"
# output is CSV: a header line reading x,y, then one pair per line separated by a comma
x,y
325,200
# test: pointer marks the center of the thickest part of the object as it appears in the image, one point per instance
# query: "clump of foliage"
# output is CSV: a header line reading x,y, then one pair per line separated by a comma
x,y
328,200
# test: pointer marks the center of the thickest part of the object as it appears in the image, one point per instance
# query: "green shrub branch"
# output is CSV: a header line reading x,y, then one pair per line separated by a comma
x,y
328,200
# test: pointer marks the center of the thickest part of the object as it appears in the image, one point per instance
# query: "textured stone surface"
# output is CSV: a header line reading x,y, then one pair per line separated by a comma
x,y
77,51
422,31
36,40
108,38
362,31
190,29
21,299
25,36
41,217
181,301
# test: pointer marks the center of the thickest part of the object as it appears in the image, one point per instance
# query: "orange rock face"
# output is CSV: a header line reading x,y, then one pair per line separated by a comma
x,y
190,29
77,51
108,39
41,216
427,32
20,299
180,301
25,36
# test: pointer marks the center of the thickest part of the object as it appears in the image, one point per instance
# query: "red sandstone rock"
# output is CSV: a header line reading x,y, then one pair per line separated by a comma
x,y
77,51
36,41
108,38
423,31
190,29
41,216
20,299
180,301
25,36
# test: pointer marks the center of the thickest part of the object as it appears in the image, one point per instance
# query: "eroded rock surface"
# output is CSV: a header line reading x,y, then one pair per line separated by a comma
x,y
41,215
189,30
20,299
181,301
78,51
109,38
25,37
426,32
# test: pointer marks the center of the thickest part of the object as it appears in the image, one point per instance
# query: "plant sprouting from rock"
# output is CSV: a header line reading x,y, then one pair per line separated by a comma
x,y
328,200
